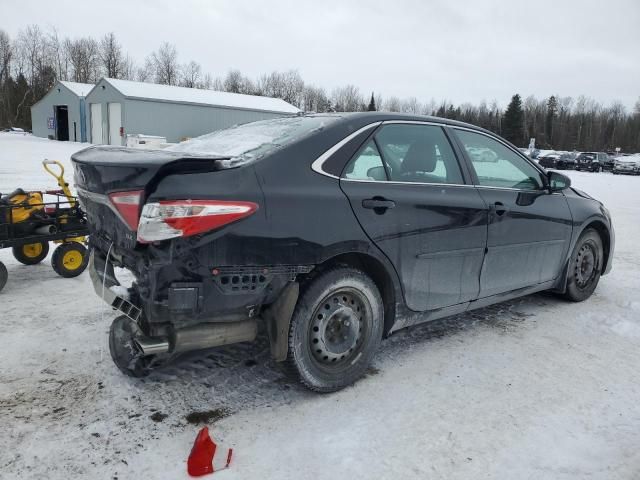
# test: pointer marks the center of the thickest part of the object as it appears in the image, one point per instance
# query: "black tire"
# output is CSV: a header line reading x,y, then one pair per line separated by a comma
x,y
31,254
4,275
585,266
70,259
123,350
335,329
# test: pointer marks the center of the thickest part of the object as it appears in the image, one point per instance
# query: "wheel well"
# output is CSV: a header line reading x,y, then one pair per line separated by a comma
x,y
603,231
377,272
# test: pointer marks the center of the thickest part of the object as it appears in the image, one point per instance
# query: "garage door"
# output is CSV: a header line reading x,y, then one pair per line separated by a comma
x,y
115,122
96,123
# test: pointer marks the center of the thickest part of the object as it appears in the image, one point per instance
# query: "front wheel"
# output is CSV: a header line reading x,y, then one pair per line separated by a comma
x,y
585,267
335,330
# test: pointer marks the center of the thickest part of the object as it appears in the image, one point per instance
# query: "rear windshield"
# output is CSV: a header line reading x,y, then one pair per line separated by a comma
x,y
252,141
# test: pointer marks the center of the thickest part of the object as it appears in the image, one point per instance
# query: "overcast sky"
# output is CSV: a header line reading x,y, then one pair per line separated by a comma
x,y
461,51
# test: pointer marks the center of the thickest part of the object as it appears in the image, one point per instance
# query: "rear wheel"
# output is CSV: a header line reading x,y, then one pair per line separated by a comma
x,y
70,259
32,253
585,267
124,352
4,275
335,330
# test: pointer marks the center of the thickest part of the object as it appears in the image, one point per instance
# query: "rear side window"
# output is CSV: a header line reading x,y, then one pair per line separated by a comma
x,y
418,154
498,166
366,165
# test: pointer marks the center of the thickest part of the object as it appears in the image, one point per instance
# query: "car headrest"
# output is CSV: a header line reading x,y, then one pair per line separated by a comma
x,y
420,157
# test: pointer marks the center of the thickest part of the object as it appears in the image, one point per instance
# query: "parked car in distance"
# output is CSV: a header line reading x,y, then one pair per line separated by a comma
x,y
629,165
592,161
558,160
332,230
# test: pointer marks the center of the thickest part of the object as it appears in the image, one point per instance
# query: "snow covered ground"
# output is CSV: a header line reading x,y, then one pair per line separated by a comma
x,y
534,388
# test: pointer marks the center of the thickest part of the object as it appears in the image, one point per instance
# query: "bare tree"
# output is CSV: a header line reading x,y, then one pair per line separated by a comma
x,y
84,56
235,82
314,99
288,86
128,70
191,73
217,85
58,55
163,65
411,105
6,52
347,99
111,56
392,104
206,83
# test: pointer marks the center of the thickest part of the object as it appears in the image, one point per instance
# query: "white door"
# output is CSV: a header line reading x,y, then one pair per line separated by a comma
x,y
96,123
115,122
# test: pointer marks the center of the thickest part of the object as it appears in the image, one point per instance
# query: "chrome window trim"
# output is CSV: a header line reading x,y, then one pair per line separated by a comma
x,y
415,122
316,166
395,182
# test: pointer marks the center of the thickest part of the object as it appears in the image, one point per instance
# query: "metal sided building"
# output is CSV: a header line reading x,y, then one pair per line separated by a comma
x,y
60,114
116,108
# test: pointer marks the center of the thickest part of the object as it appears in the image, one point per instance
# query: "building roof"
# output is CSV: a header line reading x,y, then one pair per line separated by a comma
x,y
80,89
169,93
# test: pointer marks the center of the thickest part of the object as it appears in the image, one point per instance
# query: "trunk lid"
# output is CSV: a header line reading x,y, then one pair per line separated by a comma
x,y
109,169
102,171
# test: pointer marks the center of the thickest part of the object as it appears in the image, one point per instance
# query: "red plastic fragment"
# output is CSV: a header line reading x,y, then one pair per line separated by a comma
x,y
201,457
229,458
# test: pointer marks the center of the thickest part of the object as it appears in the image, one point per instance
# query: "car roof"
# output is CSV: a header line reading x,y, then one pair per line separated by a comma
x,y
369,117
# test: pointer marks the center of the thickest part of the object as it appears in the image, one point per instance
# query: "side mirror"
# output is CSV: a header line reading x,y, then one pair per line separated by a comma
x,y
558,181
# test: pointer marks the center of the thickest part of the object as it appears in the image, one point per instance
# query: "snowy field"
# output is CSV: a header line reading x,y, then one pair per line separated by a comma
x,y
535,388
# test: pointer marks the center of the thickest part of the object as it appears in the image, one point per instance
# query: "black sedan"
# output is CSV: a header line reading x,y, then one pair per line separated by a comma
x,y
333,231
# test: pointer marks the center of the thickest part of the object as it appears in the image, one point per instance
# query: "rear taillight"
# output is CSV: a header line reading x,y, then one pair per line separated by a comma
x,y
183,218
128,206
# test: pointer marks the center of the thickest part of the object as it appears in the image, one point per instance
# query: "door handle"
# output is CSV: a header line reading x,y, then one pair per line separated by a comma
x,y
498,208
378,203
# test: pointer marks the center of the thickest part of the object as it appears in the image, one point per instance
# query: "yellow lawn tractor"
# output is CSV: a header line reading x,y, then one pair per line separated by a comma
x,y
28,223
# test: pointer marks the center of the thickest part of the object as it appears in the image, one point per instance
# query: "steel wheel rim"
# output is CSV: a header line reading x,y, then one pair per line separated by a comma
x,y
586,265
338,327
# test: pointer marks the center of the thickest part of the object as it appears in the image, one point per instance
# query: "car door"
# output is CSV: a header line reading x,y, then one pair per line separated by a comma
x,y
408,192
529,228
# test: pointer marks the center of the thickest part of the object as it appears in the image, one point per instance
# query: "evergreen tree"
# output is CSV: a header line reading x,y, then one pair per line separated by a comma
x,y
372,104
552,112
513,121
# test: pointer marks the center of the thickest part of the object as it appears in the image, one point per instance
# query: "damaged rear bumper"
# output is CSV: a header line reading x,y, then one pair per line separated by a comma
x,y
172,341
105,283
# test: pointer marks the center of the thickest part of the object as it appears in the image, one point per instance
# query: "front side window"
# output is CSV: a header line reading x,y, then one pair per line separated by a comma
x,y
498,166
366,165
418,154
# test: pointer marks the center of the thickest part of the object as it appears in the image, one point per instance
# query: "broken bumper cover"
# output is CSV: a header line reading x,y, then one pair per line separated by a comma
x,y
105,283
